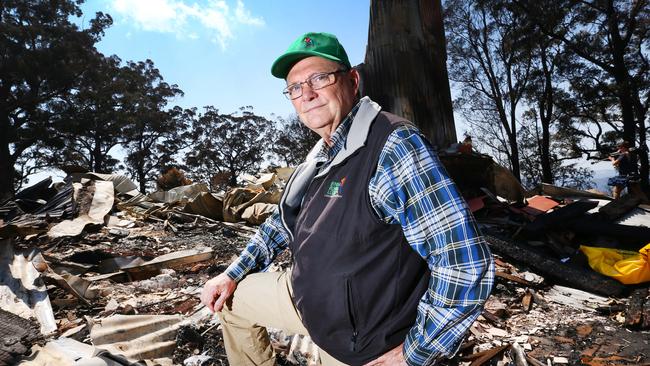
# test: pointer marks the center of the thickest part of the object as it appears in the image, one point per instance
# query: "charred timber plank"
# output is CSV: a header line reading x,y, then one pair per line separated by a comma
x,y
611,309
560,218
554,191
646,312
619,207
534,361
17,335
174,259
527,301
550,268
492,318
516,279
481,358
629,237
634,313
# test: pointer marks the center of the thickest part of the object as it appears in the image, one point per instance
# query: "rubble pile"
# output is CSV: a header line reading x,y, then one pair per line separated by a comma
x,y
93,270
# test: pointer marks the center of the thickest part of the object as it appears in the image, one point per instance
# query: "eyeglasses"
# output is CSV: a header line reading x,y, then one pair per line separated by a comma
x,y
316,81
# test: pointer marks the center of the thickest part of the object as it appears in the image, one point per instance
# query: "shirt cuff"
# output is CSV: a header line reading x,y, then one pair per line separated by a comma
x,y
237,270
416,354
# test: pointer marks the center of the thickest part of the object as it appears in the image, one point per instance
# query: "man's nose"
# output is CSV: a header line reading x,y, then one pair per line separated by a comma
x,y
307,92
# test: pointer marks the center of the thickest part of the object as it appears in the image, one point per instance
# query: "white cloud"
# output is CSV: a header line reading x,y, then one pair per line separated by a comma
x,y
244,16
187,20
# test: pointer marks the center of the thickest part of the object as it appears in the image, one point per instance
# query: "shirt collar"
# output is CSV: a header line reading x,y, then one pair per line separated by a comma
x,y
338,138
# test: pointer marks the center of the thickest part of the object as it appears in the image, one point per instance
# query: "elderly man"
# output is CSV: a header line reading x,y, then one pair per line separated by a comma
x,y
389,267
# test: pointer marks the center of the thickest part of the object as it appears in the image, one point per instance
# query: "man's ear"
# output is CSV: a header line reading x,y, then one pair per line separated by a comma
x,y
354,79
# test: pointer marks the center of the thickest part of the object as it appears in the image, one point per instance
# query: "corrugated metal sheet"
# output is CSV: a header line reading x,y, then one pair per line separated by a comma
x,y
22,291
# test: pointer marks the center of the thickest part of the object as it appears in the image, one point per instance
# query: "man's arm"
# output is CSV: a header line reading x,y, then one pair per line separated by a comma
x,y
412,188
270,239
616,161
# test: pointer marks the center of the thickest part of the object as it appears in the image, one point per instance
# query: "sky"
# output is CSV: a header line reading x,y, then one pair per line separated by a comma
x,y
219,52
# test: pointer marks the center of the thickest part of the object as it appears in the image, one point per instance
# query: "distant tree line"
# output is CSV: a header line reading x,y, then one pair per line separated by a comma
x,y
65,105
541,82
545,81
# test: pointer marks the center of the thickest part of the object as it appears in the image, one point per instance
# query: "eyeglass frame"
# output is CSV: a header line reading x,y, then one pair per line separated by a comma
x,y
308,81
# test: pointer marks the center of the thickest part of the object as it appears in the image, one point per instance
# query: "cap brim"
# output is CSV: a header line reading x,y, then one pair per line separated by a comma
x,y
283,64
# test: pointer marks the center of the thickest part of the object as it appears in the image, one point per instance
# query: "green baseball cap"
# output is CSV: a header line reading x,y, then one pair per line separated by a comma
x,y
310,44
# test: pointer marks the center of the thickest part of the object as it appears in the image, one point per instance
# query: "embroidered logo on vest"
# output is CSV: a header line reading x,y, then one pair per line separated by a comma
x,y
335,189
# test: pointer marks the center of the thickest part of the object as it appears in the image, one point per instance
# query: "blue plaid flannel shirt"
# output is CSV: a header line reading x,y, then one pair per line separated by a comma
x,y
412,188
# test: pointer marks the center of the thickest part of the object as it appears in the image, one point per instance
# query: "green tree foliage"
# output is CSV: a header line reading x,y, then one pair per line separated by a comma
x,y
155,135
120,107
292,141
542,94
563,148
547,68
227,143
156,147
609,72
93,119
44,56
491,65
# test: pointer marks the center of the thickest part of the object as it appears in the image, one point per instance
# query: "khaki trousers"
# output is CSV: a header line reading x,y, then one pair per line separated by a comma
x,y
261,300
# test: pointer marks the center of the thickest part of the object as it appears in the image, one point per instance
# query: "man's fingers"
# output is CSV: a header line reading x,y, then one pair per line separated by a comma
x,y
377,361
210,302
390,358
218,305
216,291
209,295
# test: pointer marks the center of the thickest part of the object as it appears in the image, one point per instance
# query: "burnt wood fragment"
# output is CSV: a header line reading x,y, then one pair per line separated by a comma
x,y
629,237
619,207
17,336
634,313
560,218
646,312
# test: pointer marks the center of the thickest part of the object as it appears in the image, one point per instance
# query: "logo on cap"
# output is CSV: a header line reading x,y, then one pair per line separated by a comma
x,y
308,42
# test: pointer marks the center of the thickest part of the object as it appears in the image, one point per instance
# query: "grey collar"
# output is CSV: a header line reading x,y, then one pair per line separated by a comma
x,y
356,137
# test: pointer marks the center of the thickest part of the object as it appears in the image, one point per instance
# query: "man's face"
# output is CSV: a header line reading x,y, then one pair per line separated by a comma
x,y
322,110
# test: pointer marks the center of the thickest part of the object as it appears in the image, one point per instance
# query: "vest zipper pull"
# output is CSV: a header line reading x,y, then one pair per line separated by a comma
x,y
353,341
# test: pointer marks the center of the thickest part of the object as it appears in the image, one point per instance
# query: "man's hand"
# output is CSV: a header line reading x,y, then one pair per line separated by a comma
x,y
390,358
216,291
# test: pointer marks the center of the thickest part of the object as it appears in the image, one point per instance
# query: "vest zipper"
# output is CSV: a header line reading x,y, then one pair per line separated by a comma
x,y
283,200
350,306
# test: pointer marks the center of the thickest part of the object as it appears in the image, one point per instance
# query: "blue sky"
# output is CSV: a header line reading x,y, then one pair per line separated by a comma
x,y
220,52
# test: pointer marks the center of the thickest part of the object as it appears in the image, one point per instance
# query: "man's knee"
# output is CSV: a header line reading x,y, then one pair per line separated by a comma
x,y
228,316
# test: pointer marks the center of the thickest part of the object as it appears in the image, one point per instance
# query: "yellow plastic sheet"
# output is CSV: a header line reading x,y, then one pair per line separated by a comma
x,y
626,266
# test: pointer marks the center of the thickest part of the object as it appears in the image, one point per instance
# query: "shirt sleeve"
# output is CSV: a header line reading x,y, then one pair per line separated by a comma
x,y
270,239
412,188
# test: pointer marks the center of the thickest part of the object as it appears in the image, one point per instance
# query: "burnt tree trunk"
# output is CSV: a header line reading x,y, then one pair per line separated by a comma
x,y
405,67
546,105
6,161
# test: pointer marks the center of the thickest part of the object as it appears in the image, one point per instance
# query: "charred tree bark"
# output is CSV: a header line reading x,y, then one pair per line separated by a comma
x,y
6,162
405,66
546,115
142,178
